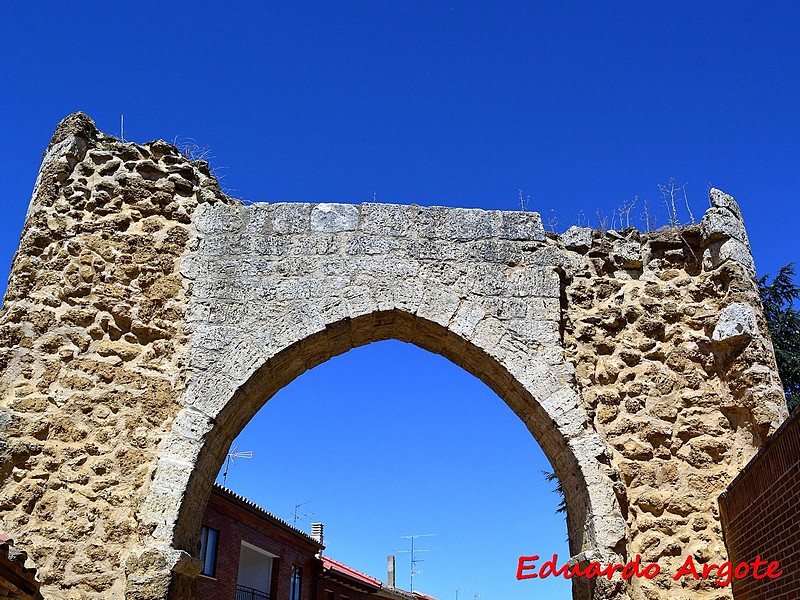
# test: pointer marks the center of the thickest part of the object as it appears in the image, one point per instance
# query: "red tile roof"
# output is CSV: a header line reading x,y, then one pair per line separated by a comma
x,y
338,568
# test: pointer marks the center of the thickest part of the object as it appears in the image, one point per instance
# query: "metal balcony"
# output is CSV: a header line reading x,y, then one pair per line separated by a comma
x,y
246,593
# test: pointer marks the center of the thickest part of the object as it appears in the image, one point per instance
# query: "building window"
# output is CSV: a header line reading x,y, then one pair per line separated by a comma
x,y
208,551
296,582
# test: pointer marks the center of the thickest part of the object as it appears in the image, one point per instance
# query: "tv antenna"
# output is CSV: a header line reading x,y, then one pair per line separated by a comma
x,y
231,460
298,514
414,559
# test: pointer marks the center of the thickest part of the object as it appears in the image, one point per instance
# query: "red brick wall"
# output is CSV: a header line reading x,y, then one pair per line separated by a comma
x,y
760,514
237,523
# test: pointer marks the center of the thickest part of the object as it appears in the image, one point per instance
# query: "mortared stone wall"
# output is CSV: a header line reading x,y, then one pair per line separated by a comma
x,y
148,317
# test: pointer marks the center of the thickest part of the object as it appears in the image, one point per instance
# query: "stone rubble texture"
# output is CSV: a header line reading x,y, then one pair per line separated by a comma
x,y
148,317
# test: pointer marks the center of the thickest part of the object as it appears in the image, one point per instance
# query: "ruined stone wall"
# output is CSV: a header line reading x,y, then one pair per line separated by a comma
x,y
148,317
663,330
91,328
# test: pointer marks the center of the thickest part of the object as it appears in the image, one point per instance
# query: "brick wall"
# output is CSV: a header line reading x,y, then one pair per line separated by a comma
x,y
236,521
760,514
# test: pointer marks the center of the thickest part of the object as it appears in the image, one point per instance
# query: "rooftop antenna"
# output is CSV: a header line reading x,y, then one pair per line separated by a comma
x,y
122,127
299,513
231,460
414,559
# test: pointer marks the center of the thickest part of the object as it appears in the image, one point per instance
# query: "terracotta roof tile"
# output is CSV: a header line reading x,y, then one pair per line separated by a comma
x,y
335,565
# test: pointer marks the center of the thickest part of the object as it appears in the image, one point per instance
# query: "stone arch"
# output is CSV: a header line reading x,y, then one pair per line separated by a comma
x,y
548,406
146,312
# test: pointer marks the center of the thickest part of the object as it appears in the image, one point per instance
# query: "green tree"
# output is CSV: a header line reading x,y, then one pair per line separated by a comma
x,y
550,476
783,321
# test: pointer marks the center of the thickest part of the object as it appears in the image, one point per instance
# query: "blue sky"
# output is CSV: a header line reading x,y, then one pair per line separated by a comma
x,y
583,106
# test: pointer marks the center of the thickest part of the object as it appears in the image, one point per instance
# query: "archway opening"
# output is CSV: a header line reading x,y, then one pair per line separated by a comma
x,y
389,440
549,412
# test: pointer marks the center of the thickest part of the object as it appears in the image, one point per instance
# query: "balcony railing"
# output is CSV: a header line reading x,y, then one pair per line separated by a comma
x,y
247,593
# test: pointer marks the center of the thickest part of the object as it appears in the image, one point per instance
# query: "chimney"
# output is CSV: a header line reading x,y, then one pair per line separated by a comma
x,y
390,567
316,531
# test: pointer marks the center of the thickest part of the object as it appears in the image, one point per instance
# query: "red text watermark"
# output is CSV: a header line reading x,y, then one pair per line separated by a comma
x,y
528,568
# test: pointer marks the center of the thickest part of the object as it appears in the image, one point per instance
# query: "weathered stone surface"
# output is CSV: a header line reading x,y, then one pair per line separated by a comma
x,y
721,223
628,255
521,226
148,315
737,251
720,199
736,325
334,217
722,228
577,238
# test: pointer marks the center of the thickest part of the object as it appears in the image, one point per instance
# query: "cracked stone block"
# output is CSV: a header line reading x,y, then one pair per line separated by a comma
x,y
736,325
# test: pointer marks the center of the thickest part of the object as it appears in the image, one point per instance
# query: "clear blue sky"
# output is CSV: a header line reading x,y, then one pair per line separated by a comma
x,y
581,105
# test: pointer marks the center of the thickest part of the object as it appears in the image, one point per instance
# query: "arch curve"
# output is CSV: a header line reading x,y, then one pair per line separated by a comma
x,y
222,400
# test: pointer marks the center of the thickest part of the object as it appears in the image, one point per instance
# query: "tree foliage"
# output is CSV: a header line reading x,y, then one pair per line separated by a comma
x,y
550,476
783,321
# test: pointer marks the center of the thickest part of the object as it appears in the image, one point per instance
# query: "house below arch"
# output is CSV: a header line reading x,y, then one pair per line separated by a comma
x,y
250,554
